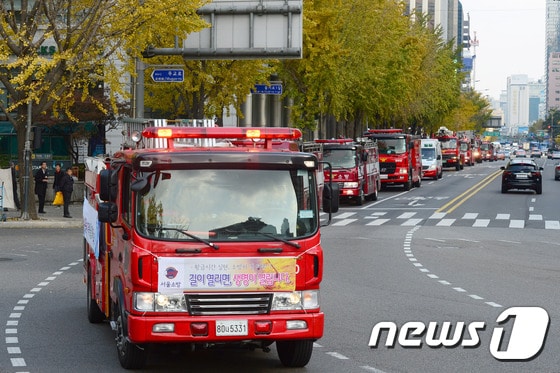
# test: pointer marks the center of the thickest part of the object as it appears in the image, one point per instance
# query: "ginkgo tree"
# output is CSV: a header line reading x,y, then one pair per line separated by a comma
x,y
366,63
53,52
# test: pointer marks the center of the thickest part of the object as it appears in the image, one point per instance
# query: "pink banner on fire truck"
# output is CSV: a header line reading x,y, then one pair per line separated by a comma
x,y
226,274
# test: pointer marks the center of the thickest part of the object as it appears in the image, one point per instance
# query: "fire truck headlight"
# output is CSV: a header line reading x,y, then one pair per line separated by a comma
x,y
350,185
296,300
156,302
403,171
136,136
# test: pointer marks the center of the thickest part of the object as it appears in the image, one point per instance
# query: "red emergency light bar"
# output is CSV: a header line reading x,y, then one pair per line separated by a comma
x,y
388,130
266,133
334,141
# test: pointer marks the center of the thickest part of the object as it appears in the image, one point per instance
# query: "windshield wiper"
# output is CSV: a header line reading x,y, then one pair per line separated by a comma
x,y
194,237
269,235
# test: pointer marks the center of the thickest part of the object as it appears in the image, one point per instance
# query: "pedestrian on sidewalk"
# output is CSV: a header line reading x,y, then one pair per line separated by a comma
x,y
67,187
41,179
58,174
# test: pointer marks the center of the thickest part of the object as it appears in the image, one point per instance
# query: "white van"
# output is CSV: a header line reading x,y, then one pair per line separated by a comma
x,y
432,166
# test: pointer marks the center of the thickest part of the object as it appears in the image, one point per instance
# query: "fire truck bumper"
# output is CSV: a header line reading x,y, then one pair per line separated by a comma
x,y
429,173
394,178
177,329
349,193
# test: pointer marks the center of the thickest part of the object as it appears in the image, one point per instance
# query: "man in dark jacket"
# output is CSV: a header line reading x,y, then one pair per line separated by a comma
x,y
66,186
41,178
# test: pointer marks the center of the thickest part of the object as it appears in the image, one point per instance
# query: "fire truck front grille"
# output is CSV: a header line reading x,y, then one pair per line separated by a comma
x,y
387,167
228,304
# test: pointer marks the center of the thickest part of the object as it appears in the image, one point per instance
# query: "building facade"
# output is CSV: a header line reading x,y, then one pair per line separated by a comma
x,y
552,50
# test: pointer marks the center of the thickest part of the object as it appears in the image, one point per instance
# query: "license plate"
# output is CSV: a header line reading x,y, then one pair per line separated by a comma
x,y
231,327
522,176
383,177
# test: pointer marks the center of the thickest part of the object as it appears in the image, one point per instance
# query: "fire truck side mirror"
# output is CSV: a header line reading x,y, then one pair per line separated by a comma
x,y
107,212
331,194
108,185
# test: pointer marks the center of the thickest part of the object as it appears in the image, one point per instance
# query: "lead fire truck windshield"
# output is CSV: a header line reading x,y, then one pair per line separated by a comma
x,y
228,205
340,158
392,146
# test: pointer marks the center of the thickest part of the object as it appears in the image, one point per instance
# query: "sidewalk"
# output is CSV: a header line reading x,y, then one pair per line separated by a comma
x,y
52,219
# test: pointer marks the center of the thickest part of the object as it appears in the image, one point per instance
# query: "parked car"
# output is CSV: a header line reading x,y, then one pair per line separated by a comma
x,y
522,174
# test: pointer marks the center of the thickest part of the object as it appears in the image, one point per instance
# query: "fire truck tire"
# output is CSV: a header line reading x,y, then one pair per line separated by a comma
x,y
361,198
131,356
95,316
294,353
408,185
457,167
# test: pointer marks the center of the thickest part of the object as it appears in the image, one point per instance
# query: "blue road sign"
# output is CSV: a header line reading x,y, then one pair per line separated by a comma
x,y
263,89
168,75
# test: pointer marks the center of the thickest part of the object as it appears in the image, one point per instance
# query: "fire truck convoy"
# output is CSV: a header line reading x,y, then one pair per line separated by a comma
x,y
400,158
355,167
207,245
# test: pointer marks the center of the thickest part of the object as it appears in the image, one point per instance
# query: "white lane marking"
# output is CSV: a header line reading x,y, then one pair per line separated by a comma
x,y
411,222
344,222
481,223
378,222
470,216
344,215
445,222
438,215
406,215
503,216
337,355
535,217
517,223
408,253
552,224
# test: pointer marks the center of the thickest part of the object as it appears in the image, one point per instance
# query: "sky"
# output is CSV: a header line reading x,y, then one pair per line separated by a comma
x,y
511,36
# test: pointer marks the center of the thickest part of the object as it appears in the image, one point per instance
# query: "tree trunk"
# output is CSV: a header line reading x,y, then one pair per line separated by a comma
x,y
21,129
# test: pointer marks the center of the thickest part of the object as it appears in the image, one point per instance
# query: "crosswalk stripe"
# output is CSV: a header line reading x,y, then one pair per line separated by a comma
x,y
437,215
344,215
552,224
406,215
446,222
378,222
517,223
411,222
481,223
344,222
407,219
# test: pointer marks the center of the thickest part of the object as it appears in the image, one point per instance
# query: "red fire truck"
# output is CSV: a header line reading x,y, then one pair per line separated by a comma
x,y
355,167
400,157
466,149
206,245
450,148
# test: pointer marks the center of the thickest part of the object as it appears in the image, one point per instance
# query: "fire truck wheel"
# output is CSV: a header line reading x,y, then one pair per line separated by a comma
x,y
408,185
131,356
361,198
294,353
94,314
